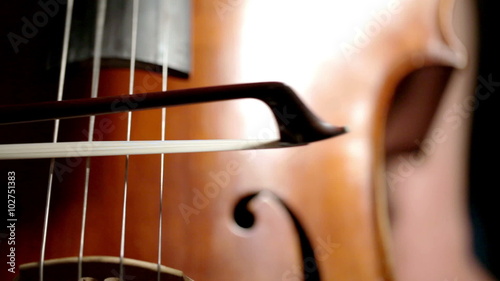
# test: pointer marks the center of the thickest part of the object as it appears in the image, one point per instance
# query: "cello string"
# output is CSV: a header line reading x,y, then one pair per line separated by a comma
x,y
135,17
96,67
62,76
166,41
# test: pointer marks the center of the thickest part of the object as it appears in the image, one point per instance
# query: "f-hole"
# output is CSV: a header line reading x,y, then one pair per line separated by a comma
x,y
246,219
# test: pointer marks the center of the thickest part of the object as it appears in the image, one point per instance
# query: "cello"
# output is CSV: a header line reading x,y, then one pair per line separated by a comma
x,y
316,212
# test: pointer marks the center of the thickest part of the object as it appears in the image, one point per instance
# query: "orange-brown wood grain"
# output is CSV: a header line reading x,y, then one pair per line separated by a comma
x,y
344,59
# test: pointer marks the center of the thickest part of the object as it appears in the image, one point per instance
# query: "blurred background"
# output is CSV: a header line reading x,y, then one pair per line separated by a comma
x,y
484,166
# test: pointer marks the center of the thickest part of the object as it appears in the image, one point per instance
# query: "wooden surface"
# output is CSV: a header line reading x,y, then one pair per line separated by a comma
x,y
343,67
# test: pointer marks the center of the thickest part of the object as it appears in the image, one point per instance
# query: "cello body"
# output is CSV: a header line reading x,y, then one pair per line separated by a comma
x,y
315,212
